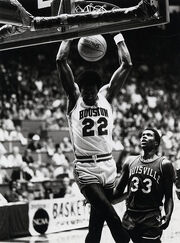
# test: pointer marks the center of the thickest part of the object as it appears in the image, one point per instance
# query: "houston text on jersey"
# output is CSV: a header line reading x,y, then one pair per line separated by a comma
x,y
93,112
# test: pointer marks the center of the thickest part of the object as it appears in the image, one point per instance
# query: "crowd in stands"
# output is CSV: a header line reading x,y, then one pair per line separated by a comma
x,y
30,89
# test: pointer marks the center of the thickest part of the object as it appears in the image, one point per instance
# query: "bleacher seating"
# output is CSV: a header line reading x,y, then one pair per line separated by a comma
x,y
29,126
10,144
58,135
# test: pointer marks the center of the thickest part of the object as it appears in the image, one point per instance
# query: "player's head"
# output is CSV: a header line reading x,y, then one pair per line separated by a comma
x,y
150,139
89,77
89,83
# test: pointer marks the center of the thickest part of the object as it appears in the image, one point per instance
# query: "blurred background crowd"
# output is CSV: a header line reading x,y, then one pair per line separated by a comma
x,y
30,90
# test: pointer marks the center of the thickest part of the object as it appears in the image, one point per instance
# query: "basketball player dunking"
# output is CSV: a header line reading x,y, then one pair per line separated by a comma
x,y
149,178
91,124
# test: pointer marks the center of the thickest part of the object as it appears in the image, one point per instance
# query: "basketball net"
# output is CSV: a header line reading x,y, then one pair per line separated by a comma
x,y
90,8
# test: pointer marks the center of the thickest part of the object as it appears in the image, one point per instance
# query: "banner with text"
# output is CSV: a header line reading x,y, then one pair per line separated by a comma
x,y
48,216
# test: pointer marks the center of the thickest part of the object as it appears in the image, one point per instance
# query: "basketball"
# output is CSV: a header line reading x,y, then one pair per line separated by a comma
x,y
92,48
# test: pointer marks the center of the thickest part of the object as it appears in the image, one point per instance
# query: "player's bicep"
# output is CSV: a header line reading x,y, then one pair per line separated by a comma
x,y
73,99
117,81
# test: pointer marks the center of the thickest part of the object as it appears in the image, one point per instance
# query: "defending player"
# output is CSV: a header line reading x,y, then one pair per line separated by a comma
x,y
91,123
149,179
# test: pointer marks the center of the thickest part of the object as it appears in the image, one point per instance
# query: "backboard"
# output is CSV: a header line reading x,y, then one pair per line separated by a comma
x,y
85,13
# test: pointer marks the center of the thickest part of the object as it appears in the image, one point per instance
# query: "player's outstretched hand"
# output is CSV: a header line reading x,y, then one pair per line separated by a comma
x,y
20,12
165,222
146,10
8,30
118,198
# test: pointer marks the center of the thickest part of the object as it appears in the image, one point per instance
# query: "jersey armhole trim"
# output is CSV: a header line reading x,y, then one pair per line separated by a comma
x,y
135,157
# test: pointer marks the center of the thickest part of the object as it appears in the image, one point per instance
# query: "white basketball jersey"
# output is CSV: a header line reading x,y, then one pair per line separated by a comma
x,y
91,127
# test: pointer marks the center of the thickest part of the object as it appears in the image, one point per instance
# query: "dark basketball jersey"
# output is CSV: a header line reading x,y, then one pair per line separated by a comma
x,y
145,187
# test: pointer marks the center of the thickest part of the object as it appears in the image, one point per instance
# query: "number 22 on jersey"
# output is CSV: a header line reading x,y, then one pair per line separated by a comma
x,y
89,127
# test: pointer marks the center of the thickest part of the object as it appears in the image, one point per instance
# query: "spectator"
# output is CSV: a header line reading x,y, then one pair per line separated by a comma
x,y
52,123
4,162
57,113
35,145
167,142
49,146
65,190
29,193
4,134
2,149
48,192
39,174
15,160
60,161
43,172
16,135
13,195
66,145
39,192
4,176
8,123
151,99
27,157
29,160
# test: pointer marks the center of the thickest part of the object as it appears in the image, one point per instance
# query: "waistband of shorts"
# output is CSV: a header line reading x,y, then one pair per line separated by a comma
x,y
143,211
94,158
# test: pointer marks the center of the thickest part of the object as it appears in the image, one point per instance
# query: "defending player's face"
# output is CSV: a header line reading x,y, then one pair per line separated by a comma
x,y
89,94
147,139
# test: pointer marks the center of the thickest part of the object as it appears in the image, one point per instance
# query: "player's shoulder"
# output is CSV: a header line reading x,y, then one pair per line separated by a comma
x,y
167,167
130,159
165,161
103,91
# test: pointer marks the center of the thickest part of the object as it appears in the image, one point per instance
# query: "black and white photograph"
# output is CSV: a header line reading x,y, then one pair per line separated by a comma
x,y
89,121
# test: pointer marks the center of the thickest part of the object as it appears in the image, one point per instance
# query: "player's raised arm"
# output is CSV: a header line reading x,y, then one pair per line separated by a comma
x,y
119,193
13,13
65,73
120,75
